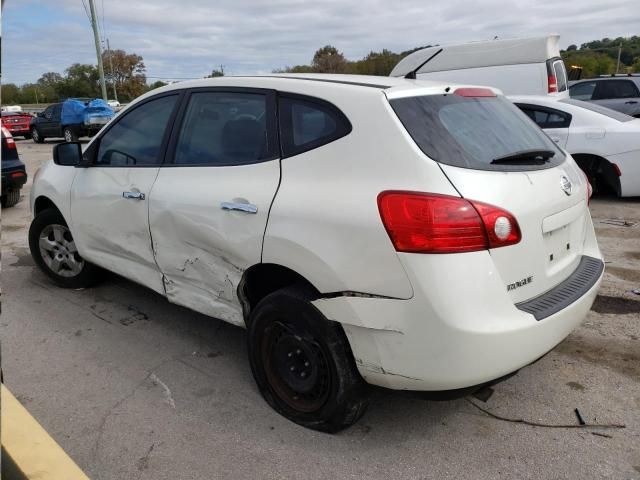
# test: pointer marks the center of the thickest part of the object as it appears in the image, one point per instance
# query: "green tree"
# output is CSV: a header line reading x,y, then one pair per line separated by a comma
x,y
216,73
49,84
81,80
157,84
10,94
329,60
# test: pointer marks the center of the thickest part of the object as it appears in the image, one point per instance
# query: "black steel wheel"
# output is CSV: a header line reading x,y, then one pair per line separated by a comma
x,y
303,363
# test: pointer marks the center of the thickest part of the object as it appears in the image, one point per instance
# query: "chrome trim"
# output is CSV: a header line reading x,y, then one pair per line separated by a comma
x,y
243,207
133,195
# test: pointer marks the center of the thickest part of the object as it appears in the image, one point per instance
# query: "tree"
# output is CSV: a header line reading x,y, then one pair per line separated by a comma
x,y
81,80
10,94
157,84
377,63
571,48
329,60
216,73
49,84
128,73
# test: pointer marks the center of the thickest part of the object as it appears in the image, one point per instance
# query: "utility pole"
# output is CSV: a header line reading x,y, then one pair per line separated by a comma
x,y
113,77
619,52
96,37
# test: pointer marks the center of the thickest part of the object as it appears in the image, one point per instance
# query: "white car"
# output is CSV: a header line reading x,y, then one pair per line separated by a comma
x,y
603,142
400,233
113,103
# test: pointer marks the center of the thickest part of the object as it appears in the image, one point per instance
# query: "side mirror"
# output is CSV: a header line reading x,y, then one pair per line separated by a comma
x,y
67,154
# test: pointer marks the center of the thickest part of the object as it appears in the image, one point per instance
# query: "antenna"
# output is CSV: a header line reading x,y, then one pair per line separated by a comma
x,y
412,74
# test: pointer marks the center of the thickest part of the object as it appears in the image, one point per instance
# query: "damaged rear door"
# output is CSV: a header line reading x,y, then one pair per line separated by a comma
x,y
211,201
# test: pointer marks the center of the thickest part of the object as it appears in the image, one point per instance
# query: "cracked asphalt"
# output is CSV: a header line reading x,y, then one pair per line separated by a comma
x,y
134,387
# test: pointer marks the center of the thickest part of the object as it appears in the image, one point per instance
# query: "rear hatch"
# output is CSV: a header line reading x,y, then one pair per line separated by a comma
x,y
493,153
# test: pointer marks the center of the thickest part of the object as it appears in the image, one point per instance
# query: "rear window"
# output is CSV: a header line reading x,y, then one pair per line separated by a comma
x,y
470,132
594,107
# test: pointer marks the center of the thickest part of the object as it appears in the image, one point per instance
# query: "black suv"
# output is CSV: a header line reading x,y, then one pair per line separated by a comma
x,y
14,175
621,93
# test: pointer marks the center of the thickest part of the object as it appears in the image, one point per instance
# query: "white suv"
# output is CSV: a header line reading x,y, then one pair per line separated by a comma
x,y
401,233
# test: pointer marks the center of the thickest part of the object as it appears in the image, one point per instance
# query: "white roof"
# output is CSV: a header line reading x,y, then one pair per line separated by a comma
x,y
319,82
480,54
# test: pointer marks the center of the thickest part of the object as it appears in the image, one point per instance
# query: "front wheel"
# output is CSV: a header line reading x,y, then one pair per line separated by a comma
x,y
54,251
302,362
35,135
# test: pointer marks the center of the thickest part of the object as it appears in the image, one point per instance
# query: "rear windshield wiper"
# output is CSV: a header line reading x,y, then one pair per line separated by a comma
x,y
525,157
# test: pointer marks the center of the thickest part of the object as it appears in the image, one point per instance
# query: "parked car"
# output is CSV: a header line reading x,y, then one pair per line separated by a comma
x,y
14,174
340,219
70,120
621,93
113,103
17,123
531,66
604,143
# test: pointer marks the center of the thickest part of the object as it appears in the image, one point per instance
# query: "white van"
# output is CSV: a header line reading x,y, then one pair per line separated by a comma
x,y
530,66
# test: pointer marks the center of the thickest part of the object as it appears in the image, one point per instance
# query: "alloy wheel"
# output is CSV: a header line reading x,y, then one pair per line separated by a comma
x,y
59,252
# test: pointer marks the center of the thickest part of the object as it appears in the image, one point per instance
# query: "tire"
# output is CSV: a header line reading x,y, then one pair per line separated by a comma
x,y
27,136
302,362
70,270
35,135
10,198
69,134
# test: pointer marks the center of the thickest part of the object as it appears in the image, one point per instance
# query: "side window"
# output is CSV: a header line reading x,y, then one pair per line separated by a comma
x,y
307,123
48,112
582,91
136,138
546,117
561,75
224,128
57,109
610,89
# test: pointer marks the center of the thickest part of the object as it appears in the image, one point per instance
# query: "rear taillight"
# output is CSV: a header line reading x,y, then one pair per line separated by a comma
x,y
432,223
553,84
9,138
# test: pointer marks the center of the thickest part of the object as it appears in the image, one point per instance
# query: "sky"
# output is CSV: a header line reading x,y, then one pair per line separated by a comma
x,y
189,38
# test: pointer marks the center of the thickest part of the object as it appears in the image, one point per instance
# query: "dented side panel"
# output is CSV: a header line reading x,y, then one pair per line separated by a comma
x,y
201,248
110,230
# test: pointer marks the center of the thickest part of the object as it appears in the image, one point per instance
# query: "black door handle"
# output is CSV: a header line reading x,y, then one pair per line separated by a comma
x,y
631,102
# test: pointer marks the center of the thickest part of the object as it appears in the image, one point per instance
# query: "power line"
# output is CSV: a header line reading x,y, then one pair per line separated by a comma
x,y
86,10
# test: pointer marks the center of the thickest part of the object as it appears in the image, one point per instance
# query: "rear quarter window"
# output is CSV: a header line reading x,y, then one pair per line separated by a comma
x,y
307,123
472,132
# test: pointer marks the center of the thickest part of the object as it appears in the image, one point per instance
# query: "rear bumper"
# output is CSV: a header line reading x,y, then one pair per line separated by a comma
x,y
18,129
13,180
461,328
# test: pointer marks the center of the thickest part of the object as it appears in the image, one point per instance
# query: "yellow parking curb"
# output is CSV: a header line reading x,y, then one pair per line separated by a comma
x,y
30,448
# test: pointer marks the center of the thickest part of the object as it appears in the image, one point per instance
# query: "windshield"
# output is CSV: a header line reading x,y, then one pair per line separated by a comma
x,y
471,132
621,117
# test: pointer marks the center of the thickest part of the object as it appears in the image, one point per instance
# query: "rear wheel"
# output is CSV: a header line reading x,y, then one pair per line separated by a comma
x,y
27,136
70,134
303,363
10,198
35,134
54,251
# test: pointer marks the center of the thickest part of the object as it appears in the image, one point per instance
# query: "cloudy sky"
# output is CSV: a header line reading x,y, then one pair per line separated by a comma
x,y
188,38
